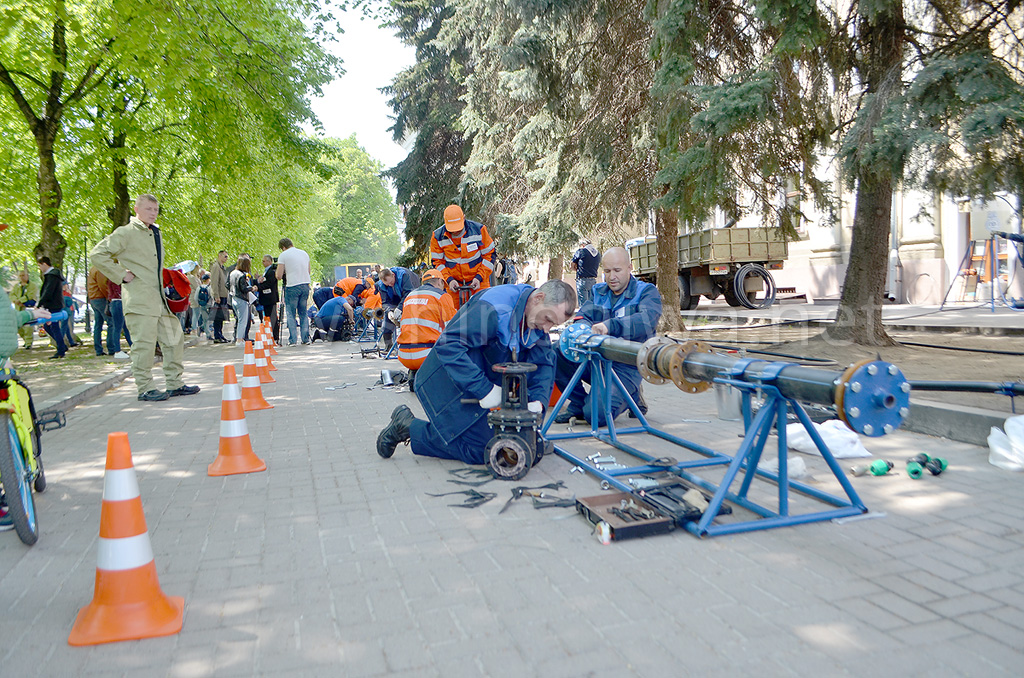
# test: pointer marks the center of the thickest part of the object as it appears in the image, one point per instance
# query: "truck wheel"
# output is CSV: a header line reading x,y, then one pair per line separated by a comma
x,y
730,296
687,302
756,299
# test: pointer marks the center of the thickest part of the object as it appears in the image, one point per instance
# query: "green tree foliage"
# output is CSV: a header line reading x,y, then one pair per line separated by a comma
x,y
177,99
427,100
362,218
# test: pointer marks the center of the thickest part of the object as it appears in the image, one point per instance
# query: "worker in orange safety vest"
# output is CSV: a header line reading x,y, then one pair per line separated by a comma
x,y
426,311
463,252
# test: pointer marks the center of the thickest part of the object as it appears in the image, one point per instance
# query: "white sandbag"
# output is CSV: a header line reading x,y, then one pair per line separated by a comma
x,y
842,442
1006,450
796,467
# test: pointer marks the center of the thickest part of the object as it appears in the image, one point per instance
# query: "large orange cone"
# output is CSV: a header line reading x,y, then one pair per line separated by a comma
x,y
236,455
127,603
261,345
261,366
252,394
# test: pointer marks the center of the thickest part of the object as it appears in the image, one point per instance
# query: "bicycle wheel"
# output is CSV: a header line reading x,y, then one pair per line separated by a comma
x,y
17,486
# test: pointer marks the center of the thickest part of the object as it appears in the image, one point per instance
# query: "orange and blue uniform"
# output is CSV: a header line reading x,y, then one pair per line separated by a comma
x,y
463,258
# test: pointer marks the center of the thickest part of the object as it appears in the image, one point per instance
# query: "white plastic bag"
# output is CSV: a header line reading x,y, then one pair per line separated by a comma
x,y
1006,450
796,467
840,440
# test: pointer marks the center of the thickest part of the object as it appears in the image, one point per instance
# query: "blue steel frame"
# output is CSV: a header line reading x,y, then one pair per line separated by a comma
x,y
368,323
773,414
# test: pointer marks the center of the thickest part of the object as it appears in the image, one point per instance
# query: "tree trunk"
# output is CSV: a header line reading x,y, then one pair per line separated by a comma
x,y
121,211
666,230
556,267
859,318
51,242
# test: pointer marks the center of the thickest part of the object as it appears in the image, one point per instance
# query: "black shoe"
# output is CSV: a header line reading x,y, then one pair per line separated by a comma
x,y
395,432
564,416
154,396
183,391
56,356
220,341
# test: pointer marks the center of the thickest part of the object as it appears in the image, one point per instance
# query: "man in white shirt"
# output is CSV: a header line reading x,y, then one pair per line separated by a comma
x,y
293,265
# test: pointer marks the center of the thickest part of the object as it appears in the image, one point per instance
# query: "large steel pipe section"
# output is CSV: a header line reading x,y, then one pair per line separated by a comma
x,y
872,397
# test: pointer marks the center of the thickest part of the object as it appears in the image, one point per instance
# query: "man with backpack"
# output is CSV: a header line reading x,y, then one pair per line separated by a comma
x,y
204,298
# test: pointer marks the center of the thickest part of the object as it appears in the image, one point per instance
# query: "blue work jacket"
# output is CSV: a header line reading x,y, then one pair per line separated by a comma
x,y
485,332
396,294
632,315
333,307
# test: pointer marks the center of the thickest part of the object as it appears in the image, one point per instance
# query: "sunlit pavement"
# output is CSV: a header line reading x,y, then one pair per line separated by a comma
x,y
335,562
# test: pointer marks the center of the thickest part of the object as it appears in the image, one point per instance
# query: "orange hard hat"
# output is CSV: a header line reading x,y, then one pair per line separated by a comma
x,y
430,274
453,218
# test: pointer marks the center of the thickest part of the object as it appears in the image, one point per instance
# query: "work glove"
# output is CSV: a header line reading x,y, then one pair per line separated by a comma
x,y
492,399
396,315
535,406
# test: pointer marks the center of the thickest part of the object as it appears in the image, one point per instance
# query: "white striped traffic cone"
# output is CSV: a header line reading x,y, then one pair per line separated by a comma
x,y
252,394
235,453
128,603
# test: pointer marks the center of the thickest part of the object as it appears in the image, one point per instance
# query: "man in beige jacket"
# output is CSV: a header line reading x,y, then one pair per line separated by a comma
x,y
133,255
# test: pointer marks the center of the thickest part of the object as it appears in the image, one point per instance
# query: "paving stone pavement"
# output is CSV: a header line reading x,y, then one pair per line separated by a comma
x,y
336,562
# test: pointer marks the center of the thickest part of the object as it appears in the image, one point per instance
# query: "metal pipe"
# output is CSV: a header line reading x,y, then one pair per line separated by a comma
x,y
872,397
1003,388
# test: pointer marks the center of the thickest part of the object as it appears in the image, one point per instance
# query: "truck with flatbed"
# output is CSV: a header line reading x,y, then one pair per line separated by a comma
x,y
732,262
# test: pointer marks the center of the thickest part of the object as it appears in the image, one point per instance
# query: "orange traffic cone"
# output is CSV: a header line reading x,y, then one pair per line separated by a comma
x,y
268,332
261,345
252,394
236,455
127,603
261,366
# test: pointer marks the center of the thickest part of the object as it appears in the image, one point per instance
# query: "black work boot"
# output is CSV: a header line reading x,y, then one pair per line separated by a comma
x,y
641,403
395,432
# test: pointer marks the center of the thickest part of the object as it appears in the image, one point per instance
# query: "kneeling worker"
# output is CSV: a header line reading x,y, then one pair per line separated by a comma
x,y
496,325
332,319
427,310
623,307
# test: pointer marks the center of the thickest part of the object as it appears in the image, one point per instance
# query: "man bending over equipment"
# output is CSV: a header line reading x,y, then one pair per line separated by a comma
x,y
497,325
623,307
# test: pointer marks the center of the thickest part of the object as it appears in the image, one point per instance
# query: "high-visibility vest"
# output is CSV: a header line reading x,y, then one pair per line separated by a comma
x,y
346,287
424,315
465,257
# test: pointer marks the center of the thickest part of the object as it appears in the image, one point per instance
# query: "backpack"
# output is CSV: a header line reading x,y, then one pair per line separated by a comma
x,y
204,296
508,272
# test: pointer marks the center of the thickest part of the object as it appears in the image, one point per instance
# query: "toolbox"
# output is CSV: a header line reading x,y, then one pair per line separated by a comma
x,y
599,509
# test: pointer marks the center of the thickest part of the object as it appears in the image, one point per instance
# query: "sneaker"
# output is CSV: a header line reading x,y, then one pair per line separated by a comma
x,y
154,396
183,391
395,432
6,522
120,355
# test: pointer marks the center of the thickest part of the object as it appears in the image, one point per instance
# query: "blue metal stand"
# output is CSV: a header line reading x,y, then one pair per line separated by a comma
x,y
368,325
773,414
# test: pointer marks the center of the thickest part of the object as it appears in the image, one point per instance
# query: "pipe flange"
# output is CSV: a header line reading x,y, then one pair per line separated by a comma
x,y
641,359
872,397
677,361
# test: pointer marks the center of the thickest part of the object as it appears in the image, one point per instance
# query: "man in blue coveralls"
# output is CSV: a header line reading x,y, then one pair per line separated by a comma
x,y
394,286
623,307
497,325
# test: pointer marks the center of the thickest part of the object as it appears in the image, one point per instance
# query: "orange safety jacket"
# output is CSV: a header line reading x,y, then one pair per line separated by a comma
x,y
346,287
462,258
425,313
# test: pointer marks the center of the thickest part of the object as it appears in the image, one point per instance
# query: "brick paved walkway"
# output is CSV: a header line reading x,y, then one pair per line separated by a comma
x,y
335,562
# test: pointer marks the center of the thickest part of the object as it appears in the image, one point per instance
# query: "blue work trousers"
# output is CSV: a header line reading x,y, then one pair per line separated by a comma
x,y
579,399
467,448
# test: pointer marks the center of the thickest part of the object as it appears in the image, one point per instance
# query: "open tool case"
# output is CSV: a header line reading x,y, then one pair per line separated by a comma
x,y
599,509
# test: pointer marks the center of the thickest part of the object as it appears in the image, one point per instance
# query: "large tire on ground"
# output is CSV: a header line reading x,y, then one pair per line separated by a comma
x,y
17,486
687,301
754,300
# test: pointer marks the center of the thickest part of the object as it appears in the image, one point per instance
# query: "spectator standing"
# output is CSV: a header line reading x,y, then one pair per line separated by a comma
x,y
25,294
117,321
52,299
270,296
96,292
204,300
134,255
294,263
241,288
219,290
71,306
193,302
585,263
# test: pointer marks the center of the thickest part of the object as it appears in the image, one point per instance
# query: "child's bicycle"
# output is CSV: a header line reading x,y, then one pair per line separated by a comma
x,y
21,466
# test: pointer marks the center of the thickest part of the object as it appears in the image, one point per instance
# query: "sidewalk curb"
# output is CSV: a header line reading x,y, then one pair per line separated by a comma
x,y
93,389
954,422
